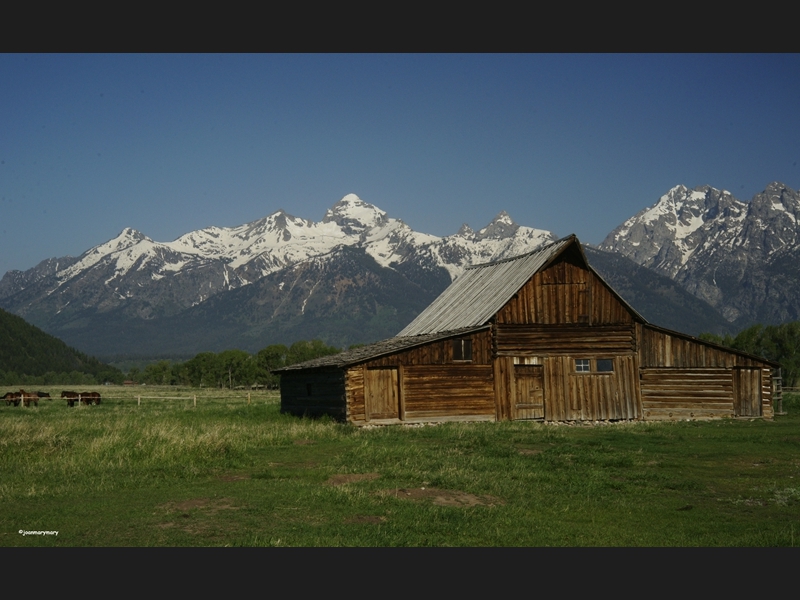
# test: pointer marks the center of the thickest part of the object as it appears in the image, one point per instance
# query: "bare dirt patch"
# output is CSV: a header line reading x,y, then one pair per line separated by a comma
x,y
444,497
205,505
192,515
351,478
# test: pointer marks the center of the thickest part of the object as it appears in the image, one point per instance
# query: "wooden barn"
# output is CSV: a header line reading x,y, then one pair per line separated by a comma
x,y
539,336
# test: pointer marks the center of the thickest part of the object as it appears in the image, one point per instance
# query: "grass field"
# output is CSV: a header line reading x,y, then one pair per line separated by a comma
x,y
229,473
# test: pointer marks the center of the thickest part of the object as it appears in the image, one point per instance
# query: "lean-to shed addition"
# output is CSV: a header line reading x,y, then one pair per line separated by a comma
x,y
538,336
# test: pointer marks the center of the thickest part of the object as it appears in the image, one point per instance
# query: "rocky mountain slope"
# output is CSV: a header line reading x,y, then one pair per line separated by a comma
x,y
697,260
132,285
740,257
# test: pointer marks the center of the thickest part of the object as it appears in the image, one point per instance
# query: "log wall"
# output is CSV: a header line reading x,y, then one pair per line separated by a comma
x,y
314,393
539,340
684,378
684,393
430,393
433,387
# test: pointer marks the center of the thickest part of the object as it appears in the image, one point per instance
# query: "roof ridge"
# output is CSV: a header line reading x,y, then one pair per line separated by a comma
x,y
519,256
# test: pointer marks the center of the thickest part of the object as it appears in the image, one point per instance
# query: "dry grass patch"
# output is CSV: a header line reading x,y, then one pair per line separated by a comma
x,y
351,478
529,452
365,520
444,497
229,477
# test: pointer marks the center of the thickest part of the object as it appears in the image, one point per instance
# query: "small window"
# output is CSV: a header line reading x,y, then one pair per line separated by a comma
x,y
605,365
582,365
462,349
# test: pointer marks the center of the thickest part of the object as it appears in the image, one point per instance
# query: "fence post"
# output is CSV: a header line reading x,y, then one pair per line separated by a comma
x,y
138,401
195,400
248,398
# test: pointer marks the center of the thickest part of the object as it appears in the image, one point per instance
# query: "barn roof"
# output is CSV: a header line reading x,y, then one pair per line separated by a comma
x,y
482,290
364,353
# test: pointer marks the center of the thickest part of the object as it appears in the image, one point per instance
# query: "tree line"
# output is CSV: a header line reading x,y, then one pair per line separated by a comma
x,y
231,368
778,343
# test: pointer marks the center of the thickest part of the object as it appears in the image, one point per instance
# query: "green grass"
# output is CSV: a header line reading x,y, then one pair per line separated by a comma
x,y
229,473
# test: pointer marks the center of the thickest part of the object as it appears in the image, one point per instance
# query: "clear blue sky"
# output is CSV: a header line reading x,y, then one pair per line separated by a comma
x,y
90,144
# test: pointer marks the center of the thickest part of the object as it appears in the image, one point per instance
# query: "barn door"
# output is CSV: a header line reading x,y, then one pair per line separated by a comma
x,y
747,392
382,393
529,392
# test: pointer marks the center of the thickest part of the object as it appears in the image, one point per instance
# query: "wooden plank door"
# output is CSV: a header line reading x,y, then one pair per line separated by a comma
x,y
382,393
747,392
528,392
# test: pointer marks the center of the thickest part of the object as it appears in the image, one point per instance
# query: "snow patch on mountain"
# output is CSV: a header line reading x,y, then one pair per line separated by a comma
x,y
202,263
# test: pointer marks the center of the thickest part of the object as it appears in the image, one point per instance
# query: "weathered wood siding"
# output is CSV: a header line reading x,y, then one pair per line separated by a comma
x,y
661,349
687,393
382,393
593,396
565,312
752,389
684,378
538,340
431,385
454,392
356,404
565,293
528,401
439,353
314,393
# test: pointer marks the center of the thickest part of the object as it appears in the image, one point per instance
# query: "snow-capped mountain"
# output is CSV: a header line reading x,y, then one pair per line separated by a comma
x,y
359,275
138,278
738,256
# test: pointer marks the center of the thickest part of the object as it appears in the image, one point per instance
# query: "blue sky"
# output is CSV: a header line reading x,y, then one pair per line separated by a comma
x,y
166,144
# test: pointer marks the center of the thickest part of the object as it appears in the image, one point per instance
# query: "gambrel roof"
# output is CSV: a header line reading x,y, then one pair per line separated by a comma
x,y
477,295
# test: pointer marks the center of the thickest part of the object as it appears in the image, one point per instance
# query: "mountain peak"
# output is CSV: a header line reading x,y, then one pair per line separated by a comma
x,y
130,233
465,230
501,227
354,215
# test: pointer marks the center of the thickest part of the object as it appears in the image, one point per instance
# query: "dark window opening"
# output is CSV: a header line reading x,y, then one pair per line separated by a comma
x,y
308,389
605,365
462,349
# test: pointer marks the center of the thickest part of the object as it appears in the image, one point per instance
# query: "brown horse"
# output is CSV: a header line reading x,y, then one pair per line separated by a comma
x,y
90,397
86,398
71,397
29,397
14,397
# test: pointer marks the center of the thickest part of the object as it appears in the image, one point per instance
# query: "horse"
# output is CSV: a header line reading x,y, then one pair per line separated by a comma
x,y
14,397
28,397
71,397
90,397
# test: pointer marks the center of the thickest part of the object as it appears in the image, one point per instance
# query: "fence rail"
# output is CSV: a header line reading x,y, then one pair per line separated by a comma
x,y
128,395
